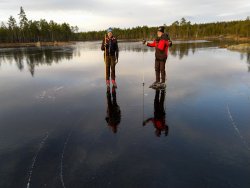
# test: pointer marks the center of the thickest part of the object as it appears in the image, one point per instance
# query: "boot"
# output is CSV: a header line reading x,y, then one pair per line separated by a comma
x,y
154,84
161,85
108,83
114,83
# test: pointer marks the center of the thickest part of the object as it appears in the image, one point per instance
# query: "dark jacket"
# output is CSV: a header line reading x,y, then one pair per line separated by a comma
x,y
161,47
111,47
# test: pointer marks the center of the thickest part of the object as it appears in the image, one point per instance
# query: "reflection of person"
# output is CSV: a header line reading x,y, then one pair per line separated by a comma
x,y
158,120
113,117
161,44
111,51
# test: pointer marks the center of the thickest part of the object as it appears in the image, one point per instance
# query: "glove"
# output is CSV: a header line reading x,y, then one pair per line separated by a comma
x,y
144,42
106,45
170,43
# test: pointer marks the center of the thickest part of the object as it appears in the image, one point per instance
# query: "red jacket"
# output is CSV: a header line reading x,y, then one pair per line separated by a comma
x,y
161,47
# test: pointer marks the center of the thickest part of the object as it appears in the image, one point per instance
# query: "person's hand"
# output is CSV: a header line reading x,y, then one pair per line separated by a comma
x,y
144,42
116,61
170,43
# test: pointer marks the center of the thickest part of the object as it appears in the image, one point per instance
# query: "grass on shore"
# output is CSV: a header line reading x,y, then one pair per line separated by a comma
x,y
240,47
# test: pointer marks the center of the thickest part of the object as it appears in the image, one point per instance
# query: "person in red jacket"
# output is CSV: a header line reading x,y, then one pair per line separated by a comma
x,y
161,44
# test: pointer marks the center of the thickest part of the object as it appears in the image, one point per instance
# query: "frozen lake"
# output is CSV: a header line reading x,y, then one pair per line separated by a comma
x,y
61,127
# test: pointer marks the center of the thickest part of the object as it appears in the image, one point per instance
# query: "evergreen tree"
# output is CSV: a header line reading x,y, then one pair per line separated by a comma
x,y
12,27
33,31
22,18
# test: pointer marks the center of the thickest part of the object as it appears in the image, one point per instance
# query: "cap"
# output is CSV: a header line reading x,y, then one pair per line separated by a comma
x,y
109,30
161,29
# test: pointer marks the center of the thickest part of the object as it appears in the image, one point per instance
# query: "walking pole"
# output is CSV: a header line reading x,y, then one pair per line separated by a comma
x,y
143,79
105,39
143,84
105,57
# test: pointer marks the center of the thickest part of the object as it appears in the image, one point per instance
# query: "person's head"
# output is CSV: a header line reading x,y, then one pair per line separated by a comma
x,y
160,31
110,32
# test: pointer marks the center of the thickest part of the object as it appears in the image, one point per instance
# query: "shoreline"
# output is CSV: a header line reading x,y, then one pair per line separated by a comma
x,y
34,44
213,38
245,47
44,44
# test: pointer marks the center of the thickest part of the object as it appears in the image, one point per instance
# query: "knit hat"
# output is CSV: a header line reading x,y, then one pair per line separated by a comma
x,y
109,30
161,29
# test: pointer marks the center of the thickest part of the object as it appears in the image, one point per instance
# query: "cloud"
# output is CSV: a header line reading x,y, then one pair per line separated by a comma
x,y
100,14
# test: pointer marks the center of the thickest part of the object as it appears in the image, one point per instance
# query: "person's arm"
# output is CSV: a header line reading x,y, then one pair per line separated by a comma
x,y
152,44
148,120
117,52
103,45
169,41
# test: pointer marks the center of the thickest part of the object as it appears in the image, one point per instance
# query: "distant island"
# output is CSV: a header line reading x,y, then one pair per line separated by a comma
x,y
39,33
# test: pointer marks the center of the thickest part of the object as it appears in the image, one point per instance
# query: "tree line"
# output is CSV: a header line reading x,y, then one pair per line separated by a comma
x,y
182,29
33,31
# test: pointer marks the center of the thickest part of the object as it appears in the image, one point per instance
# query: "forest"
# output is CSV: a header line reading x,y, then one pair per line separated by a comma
x,y
182,29
25,30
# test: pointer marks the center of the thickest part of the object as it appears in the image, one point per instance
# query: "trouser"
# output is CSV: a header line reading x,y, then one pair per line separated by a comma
x,y
159,110
160,71
110,66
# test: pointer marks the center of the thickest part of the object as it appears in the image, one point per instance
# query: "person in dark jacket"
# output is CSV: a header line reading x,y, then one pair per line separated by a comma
x,y
161,44
111,52
113,117
159,119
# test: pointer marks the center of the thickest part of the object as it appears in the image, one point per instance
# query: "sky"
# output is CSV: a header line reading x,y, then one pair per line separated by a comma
x,y
101,14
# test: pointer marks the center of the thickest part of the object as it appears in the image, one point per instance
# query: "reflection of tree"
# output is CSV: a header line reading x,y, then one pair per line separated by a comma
x,y
247,56
182,49
134,46
248,60
179,49
35,56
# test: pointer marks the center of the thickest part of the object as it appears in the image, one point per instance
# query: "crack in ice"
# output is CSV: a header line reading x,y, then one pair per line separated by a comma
x,y
35,157
62,156
236,129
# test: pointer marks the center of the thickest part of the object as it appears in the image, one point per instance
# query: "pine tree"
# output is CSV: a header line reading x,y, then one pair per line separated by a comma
x,y
12,27
23,22
22,18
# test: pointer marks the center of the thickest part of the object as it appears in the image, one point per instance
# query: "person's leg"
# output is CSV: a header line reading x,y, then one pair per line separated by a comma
x,y
161,104
157,70
157,74
108,70
156,104
163,71
112,59
113,71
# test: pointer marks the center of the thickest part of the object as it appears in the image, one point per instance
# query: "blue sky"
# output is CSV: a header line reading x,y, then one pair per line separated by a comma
x,y
101,14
